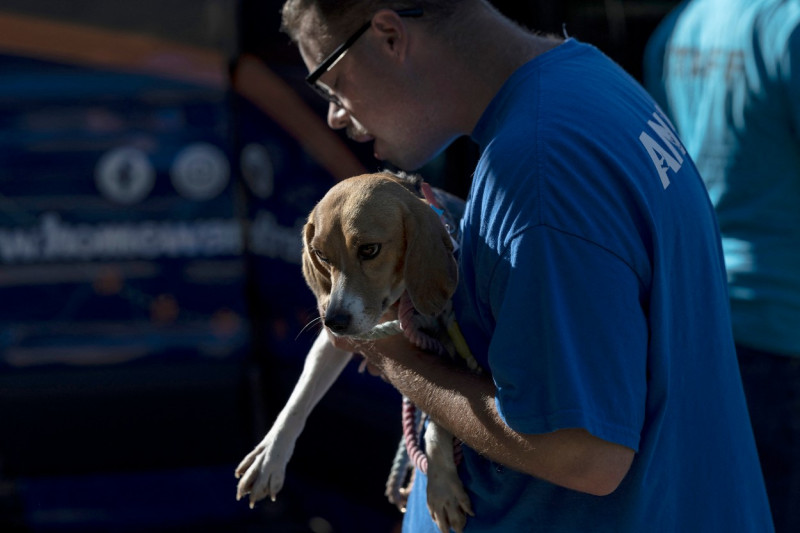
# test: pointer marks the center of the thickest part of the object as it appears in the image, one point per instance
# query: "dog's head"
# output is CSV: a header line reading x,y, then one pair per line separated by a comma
x,y
368,240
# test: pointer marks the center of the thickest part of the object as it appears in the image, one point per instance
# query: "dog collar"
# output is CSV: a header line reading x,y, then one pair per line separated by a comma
x,y
433,202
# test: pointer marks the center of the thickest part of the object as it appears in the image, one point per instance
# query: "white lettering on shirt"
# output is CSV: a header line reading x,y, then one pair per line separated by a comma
x,y
664,159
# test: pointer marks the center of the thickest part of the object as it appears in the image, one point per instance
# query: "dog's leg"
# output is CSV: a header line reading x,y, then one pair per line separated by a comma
x,y
262,470
448,502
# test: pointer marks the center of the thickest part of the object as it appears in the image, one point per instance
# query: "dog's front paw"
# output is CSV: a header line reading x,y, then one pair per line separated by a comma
x,y
448,502
261,473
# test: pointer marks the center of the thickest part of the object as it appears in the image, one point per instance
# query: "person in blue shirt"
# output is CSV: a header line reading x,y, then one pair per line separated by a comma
x,y
727,72
592,283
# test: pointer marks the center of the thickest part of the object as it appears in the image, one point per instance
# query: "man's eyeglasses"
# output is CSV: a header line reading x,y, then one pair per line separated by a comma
x,y
329,62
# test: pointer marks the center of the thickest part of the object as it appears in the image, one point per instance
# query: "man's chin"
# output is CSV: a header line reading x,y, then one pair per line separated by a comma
x,y
396,163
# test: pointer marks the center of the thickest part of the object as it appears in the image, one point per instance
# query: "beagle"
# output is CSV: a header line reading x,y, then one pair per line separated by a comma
x,y
369,241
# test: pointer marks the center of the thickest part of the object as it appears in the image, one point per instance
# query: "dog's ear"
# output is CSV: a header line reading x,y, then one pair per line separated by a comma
x,y
431,271
316,275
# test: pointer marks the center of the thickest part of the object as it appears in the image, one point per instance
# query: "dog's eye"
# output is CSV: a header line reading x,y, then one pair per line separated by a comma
x,y
369,251
320,256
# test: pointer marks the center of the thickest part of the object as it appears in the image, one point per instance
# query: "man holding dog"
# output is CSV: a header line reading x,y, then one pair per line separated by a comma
x,y
592,285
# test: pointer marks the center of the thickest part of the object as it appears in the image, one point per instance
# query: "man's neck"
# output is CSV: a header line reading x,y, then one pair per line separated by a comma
x,y
497,49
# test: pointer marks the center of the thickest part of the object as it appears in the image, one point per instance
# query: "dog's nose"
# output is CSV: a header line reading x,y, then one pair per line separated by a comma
x,y
338,322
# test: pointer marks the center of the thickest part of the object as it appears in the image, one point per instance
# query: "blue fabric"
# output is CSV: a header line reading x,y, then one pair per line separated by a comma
x,y
593,287
728,73
772,387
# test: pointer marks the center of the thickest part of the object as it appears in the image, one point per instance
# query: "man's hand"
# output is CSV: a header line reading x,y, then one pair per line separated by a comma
x,y
374,351
369,349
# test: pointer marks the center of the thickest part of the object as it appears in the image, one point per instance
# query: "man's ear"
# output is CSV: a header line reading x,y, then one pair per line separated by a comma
x,y
391,30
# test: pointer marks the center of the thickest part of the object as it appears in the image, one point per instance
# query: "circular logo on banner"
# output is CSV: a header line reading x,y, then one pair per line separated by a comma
x,y
257,170
124,175
200,171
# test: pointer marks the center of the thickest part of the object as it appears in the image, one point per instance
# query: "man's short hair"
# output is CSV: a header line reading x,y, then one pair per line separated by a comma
x,y
341,17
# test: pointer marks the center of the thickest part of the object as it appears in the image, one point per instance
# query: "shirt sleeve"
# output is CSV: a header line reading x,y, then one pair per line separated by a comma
x,y
570,345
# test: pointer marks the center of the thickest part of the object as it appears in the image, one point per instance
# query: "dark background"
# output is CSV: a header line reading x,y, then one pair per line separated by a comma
x,y
146,345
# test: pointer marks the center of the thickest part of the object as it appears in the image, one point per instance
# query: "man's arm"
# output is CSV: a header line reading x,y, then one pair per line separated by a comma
x,y
463,403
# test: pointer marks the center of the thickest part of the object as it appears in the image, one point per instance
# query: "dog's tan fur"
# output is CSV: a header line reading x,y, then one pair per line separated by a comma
x,y
365,243
416,254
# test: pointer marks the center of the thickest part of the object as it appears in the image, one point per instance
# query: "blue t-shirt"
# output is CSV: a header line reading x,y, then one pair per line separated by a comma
x,y
728,73
593,287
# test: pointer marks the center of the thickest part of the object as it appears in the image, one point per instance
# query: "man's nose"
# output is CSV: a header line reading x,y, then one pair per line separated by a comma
x,y
338,117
